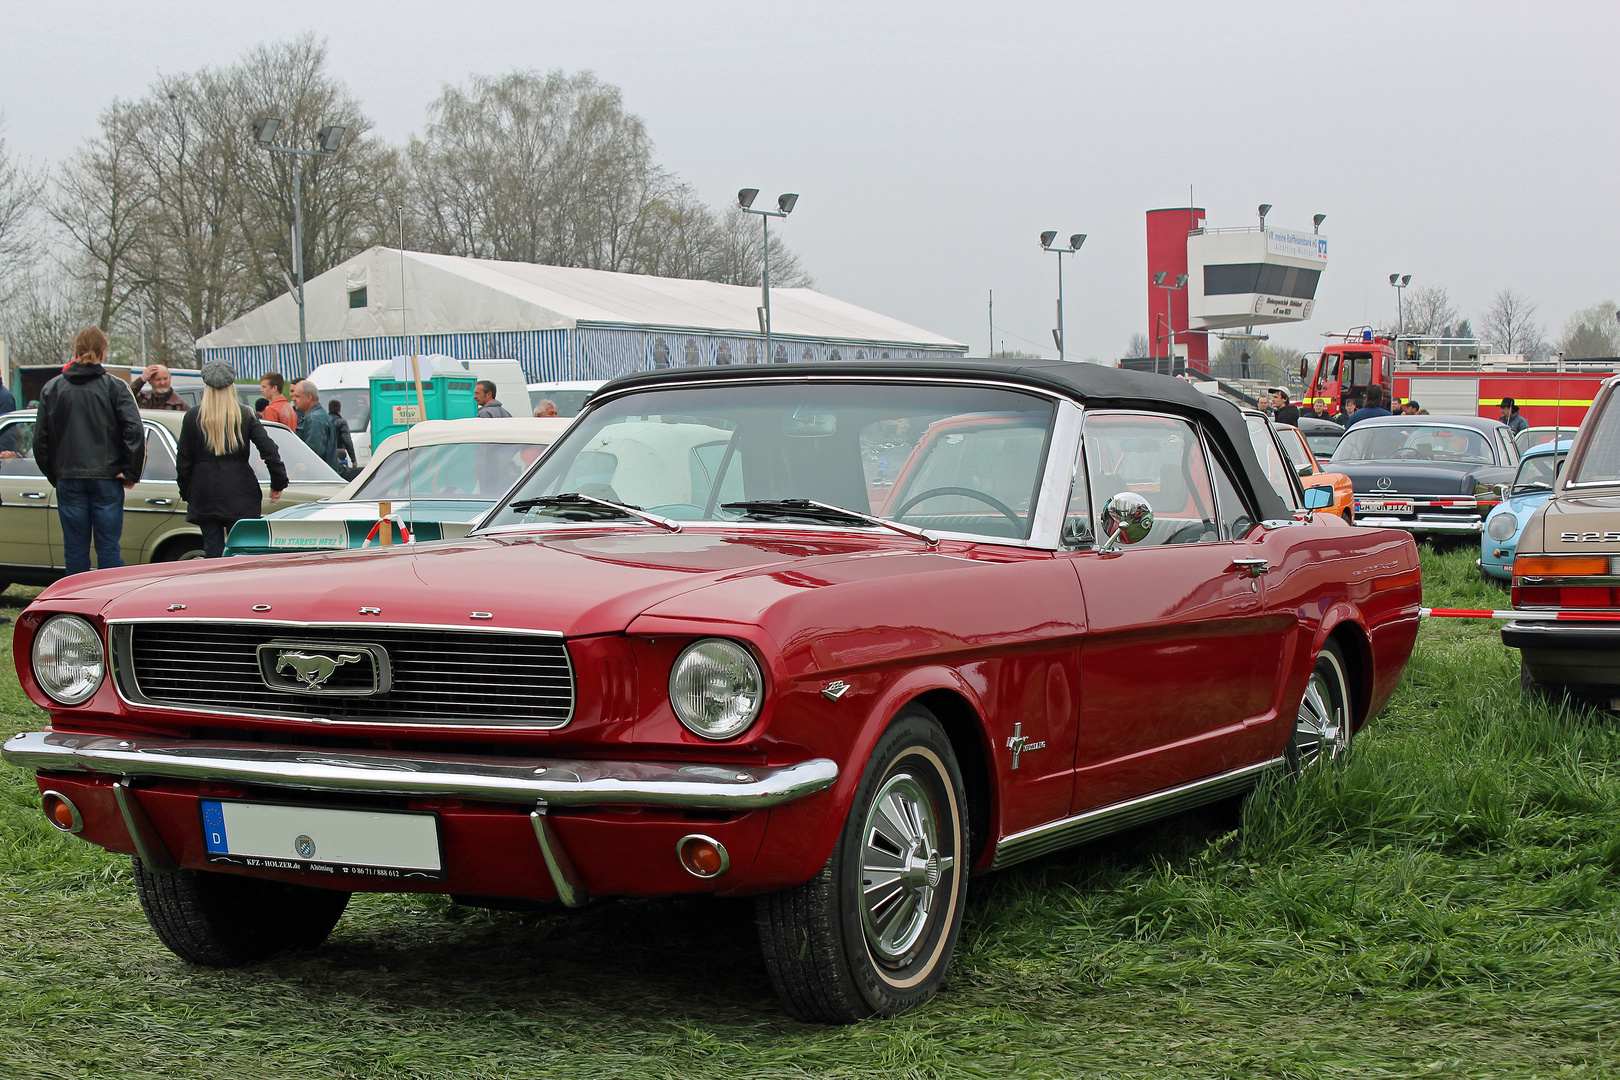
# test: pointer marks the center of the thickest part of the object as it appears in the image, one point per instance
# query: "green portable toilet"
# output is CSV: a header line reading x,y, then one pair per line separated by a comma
x,y
446,395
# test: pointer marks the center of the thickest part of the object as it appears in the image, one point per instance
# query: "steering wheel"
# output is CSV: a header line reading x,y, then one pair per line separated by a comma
x,y
1406,453
1001,507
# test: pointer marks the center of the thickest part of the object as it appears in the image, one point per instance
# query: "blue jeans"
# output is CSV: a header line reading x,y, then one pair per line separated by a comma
x,y
89,507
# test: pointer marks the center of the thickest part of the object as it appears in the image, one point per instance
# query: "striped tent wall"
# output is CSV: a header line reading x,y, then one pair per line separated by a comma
x,y
587,352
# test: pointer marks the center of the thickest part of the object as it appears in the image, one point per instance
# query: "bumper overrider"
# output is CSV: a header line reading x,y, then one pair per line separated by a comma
x,y
545,784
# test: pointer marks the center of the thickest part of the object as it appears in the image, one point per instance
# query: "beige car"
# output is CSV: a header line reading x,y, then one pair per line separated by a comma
x,y
1566,570
155,525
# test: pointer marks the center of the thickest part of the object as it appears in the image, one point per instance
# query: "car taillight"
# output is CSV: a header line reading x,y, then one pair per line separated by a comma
x,y
1565,589
1565,565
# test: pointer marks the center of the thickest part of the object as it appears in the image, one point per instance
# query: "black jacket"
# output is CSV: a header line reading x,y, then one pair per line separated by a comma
x,y
219,487
88,427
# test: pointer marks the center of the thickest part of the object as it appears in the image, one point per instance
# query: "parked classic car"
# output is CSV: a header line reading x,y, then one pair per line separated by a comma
x,y
155,525
753,662
1311,474
1426,474
437,478
1532,486
1566,570
1535,436
1322,436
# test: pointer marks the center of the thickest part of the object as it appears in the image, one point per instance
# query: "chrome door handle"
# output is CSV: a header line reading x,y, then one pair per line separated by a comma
x,y
161,502
1254,567
35,495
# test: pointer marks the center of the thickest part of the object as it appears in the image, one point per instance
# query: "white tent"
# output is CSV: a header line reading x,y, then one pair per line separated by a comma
x,y
385,292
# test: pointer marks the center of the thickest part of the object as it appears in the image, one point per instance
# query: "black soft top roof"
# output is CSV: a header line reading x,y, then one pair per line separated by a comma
x,y
1089,384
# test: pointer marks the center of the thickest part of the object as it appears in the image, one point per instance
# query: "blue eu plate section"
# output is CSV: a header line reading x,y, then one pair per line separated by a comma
x,y
213,815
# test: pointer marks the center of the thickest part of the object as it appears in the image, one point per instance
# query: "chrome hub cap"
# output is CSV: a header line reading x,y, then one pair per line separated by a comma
x,y
1322,730
901,867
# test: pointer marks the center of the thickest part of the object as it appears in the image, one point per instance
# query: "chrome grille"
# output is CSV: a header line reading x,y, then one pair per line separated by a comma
x,y
440,676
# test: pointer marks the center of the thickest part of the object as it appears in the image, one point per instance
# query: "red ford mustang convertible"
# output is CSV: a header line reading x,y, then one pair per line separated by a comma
x,y
836,636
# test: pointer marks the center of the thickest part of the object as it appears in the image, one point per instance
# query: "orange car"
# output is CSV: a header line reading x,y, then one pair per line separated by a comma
x,y
1311,474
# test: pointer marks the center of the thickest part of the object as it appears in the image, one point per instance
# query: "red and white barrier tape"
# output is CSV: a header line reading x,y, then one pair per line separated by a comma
x,y
1521,616
404,533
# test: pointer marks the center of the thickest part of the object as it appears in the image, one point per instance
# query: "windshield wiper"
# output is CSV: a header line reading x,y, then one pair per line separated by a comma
x,y
820,511
582,508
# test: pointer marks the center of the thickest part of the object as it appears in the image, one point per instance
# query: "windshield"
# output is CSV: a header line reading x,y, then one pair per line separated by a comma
x,y
304,466
454,471
1414,442
1599,462
948,458
1537,473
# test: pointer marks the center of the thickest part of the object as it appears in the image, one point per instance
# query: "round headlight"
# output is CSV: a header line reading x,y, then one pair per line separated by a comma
x,y
69,662
1503,525
716,688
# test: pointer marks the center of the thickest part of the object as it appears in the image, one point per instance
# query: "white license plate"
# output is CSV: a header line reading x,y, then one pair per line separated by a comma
x,y
1384,506
359,843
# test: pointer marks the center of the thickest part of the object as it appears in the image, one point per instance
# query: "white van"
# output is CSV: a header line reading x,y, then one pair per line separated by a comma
x,y
569,397
349,381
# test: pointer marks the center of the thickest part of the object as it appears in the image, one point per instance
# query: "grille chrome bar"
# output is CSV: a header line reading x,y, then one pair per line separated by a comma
x,y
441,676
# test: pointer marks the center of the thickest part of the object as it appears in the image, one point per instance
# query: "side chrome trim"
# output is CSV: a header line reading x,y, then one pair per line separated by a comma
x,y
556,782
1044,839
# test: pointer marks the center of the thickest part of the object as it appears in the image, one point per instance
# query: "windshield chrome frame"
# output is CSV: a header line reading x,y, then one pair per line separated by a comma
x,y
1051,497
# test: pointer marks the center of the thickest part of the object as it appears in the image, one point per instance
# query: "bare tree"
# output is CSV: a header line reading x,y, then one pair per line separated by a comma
x,y
100,198
1140,346
741,255
1510,325
19,236
1591,332
1429,311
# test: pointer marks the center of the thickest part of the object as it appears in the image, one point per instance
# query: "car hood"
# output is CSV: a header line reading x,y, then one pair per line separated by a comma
x,y
573,582
1409,478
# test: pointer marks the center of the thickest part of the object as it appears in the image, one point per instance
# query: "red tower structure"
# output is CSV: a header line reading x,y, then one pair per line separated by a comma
x,y
1167,306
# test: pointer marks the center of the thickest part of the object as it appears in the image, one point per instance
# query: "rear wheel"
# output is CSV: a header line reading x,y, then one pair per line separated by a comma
x,y
180,550
225,920
1322,722
873,932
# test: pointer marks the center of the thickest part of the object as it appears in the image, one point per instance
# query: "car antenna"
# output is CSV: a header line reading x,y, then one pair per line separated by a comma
x,y
416,378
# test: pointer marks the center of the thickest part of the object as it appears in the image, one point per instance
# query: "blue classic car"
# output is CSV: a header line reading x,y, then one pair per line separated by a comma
x,y
1532,486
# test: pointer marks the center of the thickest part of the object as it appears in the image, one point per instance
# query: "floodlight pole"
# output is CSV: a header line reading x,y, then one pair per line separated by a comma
x,y
785,204
1074,245
330,137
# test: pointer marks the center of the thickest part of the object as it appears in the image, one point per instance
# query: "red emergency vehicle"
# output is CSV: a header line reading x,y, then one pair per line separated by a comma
x,y
1456,376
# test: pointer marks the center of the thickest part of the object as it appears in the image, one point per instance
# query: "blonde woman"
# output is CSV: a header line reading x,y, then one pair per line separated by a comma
x,y
216,481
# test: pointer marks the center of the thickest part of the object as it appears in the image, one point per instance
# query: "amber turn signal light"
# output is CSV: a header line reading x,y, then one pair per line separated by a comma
x,y
703,856
1561,566
61,812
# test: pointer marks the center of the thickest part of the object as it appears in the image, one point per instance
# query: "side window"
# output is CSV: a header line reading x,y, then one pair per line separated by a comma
x,y
159,462
1160,459
1236,521
18,439
1078,531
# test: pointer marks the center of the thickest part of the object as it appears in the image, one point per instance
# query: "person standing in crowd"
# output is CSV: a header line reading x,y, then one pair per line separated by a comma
x,y
1411,407
211,460
161,395
90,446
546,409
315,423
1374,407
488,405
1282,411
273,387
8,403
1511,417
340,426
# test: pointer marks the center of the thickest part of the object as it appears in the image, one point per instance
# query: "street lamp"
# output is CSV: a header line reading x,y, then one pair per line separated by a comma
x,y
1169,312
1400,281
1074,245
327,142
1316,222
784,207
1265,208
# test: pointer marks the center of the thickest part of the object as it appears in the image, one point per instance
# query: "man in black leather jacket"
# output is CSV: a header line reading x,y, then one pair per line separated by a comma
x,y
89,444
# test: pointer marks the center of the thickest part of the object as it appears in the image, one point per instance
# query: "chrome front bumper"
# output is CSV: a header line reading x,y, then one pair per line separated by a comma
x,y
1421,525
553,782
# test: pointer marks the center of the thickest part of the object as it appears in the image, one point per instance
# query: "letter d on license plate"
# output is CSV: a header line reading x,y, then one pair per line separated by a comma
x,y
358,843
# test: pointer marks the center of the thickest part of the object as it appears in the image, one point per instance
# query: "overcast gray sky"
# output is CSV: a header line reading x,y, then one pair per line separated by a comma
x,y
1471,145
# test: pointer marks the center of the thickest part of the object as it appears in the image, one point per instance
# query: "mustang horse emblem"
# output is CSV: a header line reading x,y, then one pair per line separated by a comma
x,y
313,669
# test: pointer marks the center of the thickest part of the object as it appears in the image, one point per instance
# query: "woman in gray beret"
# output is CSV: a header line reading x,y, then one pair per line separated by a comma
x,y
216,481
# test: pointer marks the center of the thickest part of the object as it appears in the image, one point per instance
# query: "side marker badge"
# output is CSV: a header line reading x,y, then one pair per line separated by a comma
x,y
835,690
1019,743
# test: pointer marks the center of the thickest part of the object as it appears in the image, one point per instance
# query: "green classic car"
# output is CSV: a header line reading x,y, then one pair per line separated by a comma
x,y
155,525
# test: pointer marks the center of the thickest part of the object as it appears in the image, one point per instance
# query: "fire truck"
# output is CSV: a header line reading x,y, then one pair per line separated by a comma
x,y
1455,376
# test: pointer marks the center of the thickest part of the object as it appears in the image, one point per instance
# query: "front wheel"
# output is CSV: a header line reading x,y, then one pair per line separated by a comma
x,y
873,932
225,920
1322,723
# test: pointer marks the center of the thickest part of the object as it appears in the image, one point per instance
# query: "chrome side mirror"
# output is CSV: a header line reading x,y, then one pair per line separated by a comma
x,y
1127,519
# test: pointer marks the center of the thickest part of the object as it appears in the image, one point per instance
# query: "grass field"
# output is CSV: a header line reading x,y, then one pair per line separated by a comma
x,y
1445,905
